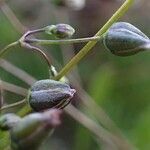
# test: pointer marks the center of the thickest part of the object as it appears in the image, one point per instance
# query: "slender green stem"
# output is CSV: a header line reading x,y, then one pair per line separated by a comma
x,y
36,49
76,59
5,49
13,105
42,53
66,41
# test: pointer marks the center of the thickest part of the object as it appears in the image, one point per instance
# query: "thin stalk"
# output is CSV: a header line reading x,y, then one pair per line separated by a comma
x,y
41,53
32,32
36,49
7,48
13,105
77,58
66,41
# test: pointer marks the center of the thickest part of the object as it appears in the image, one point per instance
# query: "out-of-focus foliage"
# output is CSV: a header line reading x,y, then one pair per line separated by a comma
x,y
121,86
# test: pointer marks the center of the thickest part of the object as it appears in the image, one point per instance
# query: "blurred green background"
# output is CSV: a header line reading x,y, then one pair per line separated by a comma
x,y
121,86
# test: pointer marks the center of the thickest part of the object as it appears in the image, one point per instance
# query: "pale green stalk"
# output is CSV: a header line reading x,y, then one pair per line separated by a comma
x,y
5,49
65,41
13,105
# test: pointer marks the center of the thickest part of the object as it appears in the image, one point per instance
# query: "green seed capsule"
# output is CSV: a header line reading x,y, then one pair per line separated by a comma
x,y
60,31
46,94
31,131
123,39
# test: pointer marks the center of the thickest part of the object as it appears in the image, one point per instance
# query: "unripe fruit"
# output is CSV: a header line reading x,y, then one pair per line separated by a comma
x,y
46,94
123,39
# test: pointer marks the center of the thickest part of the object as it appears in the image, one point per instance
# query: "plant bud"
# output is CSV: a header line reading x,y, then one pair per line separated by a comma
x,y
123,39
32,130
60,31
7,121
46,94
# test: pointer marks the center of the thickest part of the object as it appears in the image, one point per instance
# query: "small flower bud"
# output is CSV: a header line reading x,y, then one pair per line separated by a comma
x,y
7,121
123,39
60,31
46,94
31,131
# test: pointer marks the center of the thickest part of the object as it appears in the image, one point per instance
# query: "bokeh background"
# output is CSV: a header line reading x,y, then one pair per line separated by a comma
x,y
114,92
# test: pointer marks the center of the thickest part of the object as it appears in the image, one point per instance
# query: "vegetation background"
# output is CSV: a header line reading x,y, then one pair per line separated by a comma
x,y
119,86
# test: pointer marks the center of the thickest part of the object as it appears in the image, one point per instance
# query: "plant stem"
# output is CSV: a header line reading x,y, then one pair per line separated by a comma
x,y
24,111
42,53
5,49
28,33
76,59
66,41
13,105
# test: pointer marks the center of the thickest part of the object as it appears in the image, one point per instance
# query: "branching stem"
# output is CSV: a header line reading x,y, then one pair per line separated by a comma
x,y
76,59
